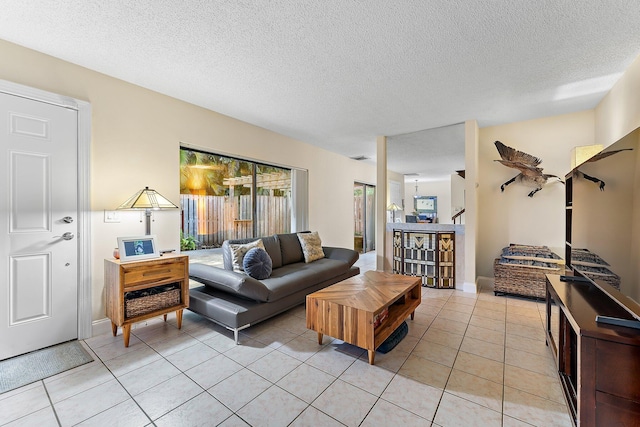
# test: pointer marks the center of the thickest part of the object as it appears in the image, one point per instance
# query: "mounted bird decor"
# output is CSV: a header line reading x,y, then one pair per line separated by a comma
x,y
530,174
578,174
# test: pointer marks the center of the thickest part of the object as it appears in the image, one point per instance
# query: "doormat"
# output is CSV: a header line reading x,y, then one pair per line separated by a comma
x,y
40,364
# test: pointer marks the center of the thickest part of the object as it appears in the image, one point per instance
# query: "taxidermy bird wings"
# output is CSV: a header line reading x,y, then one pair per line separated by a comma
x,y
530,174
516,159
602,155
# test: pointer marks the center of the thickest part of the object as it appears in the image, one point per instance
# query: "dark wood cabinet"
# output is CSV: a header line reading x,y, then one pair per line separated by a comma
x,y
598,365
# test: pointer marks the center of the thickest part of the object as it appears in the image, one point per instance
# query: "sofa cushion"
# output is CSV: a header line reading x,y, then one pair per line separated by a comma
x,y
238,251
291,278
241,285
341,254
271,245
311,246
257,263
290,248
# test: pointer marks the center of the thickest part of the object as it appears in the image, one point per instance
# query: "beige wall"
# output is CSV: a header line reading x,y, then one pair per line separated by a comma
x,y
512,217
635,235
618,114
457,196
135,130
136,135
601,219
471,204
399,179
441,189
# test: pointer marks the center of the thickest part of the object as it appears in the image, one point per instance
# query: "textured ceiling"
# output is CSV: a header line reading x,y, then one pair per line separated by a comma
x,y
337,73
432,154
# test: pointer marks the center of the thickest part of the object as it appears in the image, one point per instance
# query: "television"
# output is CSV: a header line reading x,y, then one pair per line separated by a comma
x,y
603,239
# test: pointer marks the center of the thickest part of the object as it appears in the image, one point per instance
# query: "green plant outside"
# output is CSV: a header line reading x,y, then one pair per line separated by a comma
x,y
188,243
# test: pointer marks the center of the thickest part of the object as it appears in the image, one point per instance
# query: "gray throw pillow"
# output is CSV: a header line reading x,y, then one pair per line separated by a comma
x,y
257,263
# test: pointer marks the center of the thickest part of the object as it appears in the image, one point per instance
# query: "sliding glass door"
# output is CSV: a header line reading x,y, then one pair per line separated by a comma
x,y
226,198
364,200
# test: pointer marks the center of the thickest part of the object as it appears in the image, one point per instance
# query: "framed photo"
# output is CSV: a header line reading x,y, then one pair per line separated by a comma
x,y
137,248
426,204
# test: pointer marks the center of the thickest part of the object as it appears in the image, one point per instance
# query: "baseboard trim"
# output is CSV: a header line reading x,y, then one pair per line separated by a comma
x,y
470,287
485,283
100,327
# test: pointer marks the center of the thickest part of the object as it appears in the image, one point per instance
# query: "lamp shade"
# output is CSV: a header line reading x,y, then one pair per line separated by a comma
x,y
394,207
147,199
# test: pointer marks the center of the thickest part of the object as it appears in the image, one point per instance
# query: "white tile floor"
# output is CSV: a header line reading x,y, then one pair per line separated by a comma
x,y
469,360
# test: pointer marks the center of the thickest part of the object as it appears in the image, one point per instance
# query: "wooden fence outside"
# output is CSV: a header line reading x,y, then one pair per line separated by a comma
x,y
358,209
213,219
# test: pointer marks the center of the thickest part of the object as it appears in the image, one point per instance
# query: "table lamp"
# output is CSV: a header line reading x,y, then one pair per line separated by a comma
x,y
147,200
393,208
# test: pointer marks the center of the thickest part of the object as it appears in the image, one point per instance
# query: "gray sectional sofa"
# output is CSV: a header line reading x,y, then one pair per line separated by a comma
x,y
237,301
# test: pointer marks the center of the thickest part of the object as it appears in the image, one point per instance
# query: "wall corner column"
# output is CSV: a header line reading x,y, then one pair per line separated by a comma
x,y
471,140
381,201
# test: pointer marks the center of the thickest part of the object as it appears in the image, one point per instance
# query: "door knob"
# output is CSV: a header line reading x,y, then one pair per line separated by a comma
x,y
67,219
67,236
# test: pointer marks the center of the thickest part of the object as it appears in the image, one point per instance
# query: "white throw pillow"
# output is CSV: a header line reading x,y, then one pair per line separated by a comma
x,y
311,246
239,251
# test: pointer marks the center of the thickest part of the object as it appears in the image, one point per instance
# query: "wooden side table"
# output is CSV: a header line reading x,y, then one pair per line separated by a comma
x,y
140,290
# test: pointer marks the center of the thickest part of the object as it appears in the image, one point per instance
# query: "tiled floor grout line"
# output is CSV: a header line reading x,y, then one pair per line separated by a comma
x,y
185,374
256,338
431,314
310,404
464,335
378,398
435,412
504,364
53,408
122,385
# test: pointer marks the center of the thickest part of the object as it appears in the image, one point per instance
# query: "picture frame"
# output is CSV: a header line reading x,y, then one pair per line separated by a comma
x,y
137,248
426,204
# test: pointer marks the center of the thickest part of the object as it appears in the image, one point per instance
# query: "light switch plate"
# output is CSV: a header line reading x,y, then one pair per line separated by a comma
x,y
111,216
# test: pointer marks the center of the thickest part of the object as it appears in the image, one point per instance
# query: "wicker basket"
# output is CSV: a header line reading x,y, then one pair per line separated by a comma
x,y
610,279
147,304
524,280
600,273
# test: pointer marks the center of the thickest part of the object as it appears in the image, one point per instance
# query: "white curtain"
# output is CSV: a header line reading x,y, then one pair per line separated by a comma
x,y
299,200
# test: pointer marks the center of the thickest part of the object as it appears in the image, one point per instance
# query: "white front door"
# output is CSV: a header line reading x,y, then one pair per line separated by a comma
x,y
38,225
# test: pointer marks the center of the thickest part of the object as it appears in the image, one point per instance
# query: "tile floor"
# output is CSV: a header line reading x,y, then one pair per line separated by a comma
x,y
469,360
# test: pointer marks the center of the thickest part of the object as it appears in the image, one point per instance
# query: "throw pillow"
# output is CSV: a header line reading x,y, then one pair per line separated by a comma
x,y
311,246
238,252
257,263
394,339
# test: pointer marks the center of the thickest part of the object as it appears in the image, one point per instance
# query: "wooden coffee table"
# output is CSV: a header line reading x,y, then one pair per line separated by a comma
x,y
347,310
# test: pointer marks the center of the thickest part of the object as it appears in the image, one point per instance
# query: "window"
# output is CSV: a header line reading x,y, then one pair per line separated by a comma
x,y
227,198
